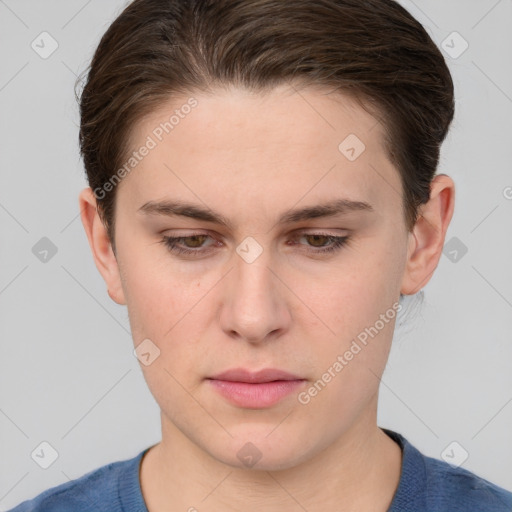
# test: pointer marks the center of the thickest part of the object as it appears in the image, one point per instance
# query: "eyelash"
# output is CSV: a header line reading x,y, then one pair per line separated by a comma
x,y
171,244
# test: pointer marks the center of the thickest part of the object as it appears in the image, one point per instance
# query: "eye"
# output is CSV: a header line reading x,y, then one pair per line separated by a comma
x,y
192,245
319,242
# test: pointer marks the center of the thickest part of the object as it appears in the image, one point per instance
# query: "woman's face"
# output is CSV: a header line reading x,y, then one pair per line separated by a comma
x,y
267,288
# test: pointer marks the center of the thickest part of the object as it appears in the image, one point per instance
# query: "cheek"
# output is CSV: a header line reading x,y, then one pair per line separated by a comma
x,y
355,314
348,367
159,293
353,295
173,310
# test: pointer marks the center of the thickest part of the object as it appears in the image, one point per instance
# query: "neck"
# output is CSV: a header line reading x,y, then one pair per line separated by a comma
x,y
361,470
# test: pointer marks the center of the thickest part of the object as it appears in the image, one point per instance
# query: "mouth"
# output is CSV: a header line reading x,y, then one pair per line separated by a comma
x,y
261,376
255,390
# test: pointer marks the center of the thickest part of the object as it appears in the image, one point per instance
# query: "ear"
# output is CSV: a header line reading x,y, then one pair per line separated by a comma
x,y
101,246
426,241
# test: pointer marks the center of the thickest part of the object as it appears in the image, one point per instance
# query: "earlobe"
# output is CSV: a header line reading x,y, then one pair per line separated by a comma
x,y
100,245
426,241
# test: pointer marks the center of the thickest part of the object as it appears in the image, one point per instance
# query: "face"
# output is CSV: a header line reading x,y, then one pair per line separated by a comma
x,y
254,286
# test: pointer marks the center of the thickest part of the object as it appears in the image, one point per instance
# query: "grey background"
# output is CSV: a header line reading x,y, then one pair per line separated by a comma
x,y
67,371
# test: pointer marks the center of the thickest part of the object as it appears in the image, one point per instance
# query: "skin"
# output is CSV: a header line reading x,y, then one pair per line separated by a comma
x,y
250,157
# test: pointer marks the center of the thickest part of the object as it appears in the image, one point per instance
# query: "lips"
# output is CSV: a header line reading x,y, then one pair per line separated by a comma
x,y
255,390
265,375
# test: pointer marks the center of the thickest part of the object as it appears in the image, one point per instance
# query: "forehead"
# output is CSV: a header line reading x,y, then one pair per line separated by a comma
x,y
236,142
284,116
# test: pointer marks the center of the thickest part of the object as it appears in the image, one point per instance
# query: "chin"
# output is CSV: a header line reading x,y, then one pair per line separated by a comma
x,y
259,452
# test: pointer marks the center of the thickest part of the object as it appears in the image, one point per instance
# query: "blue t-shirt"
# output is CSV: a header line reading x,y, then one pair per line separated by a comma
x,y
426,485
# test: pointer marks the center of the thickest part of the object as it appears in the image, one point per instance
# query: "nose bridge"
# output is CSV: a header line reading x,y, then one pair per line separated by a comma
x,y
254,307
253,280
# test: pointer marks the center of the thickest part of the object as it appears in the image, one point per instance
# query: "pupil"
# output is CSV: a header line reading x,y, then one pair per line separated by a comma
x,y
316,237
195,238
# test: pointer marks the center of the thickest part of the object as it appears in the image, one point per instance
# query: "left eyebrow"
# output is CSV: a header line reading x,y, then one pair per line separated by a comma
x,y
329,209
195,211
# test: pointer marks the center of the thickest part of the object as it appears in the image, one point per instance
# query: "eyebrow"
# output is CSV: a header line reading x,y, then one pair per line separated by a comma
x,y
193,211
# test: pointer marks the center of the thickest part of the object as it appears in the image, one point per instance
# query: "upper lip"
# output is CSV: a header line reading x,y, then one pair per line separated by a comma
x,y
265,375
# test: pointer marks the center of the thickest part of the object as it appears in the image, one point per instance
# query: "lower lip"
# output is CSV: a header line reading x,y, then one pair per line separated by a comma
x,y
255,396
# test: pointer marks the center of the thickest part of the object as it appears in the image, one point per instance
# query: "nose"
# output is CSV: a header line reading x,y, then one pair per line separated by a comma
x,y
254,305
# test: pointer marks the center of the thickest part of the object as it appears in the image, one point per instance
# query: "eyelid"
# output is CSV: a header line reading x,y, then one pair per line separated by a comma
x,y
294,234
185,233
336,243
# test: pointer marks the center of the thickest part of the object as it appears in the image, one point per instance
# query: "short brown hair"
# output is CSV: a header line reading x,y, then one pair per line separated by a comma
x,y
373,50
